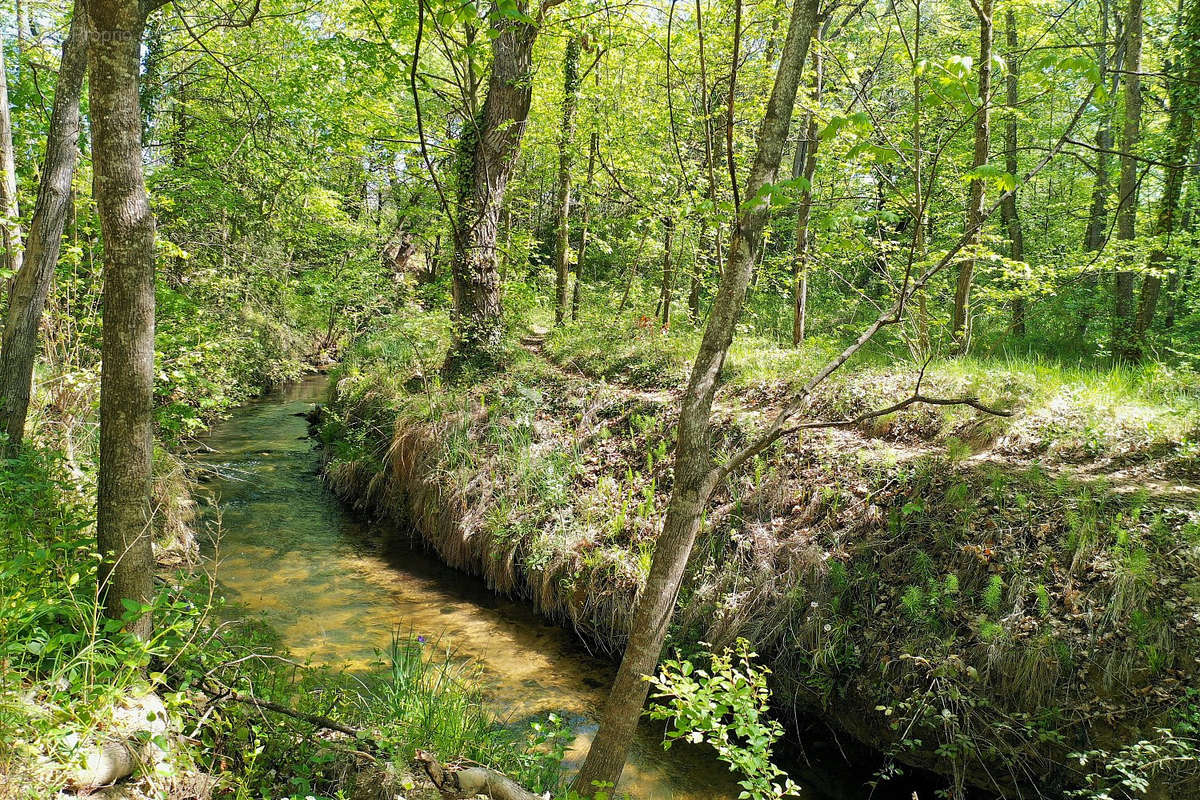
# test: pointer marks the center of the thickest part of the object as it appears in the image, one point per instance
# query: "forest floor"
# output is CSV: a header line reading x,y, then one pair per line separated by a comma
x,y
966,592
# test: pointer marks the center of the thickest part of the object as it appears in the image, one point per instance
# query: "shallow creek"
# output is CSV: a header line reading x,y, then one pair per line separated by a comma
x,y
289,551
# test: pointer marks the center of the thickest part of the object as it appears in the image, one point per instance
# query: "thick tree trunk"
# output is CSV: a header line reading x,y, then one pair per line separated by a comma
x,y
32,283
1123,346
1008,208
123,520
562,199
10,225
487,155
806,157
961,322
694,474
1182,127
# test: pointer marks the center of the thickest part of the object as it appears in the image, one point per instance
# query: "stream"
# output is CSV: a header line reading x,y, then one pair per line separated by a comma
x,y
290,552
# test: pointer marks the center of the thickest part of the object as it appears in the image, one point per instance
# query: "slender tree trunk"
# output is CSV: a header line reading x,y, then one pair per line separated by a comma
x,y
1097,227
1008,208
807,154
710,233
694,473
668,276
961,322
1181,279
593,149
487,154
1096,232
10,225
562,200
1123,346
32,283
1182,126
123,520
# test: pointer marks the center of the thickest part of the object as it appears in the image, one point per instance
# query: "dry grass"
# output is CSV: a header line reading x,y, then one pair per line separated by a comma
x,y
860,562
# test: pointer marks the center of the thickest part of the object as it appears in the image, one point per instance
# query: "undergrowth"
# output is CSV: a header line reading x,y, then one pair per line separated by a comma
x,y
72,679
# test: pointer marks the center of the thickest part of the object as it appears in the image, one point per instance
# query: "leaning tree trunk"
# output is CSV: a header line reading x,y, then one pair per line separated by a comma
x,y
32,283
694,476
123,520
487,155
1123,346
1182,126
961,322
10,225
1008,208
806,160
562,198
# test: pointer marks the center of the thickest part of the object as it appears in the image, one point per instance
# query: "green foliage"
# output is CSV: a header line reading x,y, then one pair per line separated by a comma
x,y
727,707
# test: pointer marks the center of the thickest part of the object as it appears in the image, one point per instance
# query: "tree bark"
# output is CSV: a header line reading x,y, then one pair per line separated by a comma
x,y
1181,127
1123,346
1008,208
961,322
10,226
562,201
32,283
123,520
487,154
807,154
694,474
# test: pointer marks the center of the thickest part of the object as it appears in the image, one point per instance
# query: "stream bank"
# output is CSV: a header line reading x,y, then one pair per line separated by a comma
x,y
335,592
945,588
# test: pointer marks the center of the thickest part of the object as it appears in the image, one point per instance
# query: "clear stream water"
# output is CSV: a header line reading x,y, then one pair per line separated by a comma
x,y
289,551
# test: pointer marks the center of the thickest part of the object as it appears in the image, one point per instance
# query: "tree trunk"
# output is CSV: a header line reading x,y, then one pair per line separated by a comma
x,y
1008,208
32,283
1123,346
961,322
1182,125
668,277
562,200
10,226
694,474
1097,226
808,156
1096,232
123,520
1181,279
593,149
487,154
710,238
